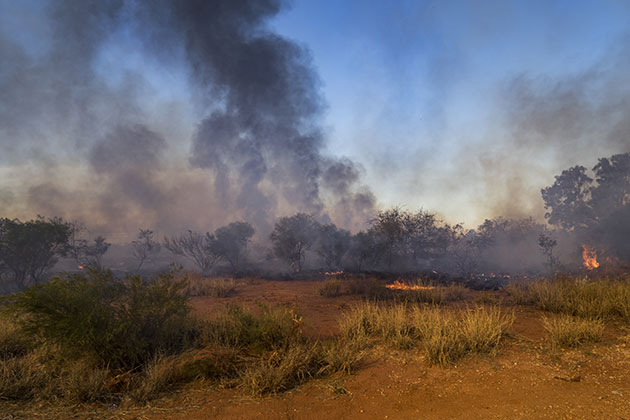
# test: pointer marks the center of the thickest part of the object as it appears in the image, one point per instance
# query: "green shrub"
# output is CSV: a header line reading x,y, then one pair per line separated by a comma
x,y
118,324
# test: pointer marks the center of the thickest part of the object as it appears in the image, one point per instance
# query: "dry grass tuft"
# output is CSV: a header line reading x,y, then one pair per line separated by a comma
x,y
434,296
13,342
330,288
21,378
282,369
198,285
601,298
570,331
443,335
159,375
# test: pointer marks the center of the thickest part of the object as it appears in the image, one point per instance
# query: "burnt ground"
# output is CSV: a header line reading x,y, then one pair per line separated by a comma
x,y
525,380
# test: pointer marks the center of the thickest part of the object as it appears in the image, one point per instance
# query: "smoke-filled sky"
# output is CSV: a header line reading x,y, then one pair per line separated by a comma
x,y
174,115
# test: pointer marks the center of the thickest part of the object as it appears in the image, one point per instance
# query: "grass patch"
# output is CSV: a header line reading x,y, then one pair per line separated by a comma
x,y
443,335
601,298
13,341
282,369
273,327
435,296
570,331
197,285
330,288
369,287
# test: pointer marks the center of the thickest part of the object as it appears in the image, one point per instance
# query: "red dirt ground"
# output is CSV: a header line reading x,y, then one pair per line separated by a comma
x,y
525,380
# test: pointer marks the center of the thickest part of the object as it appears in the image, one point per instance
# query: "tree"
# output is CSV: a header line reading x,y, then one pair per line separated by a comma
x,y
29,249
547,244
465,249
292,237
79,248
612,192
144,247
230,242
95,251
597,210
332,245
364,248
411,238
194,246
388,227
567,201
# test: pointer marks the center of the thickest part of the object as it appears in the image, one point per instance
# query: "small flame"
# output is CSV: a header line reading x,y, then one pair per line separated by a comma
x,y
590,257
333,273
398,285
80,267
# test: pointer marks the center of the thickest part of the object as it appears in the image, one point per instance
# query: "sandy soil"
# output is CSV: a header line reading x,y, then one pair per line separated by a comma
x,y
525,380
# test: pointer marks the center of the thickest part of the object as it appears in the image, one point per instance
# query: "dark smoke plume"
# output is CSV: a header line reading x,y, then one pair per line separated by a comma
x,y
255,154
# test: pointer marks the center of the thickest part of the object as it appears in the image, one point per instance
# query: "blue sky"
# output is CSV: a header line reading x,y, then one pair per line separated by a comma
x,y
409,83
466,108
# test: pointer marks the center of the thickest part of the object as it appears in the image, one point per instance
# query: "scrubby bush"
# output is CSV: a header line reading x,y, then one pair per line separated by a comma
x,y
119,324
88,337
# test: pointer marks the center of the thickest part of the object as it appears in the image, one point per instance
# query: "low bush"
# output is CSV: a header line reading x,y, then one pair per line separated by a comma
x,y
118,324
570,331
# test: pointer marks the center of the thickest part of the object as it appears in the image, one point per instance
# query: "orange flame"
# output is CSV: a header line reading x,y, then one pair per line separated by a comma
x,y
589,255
80,267
398,285
333,273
